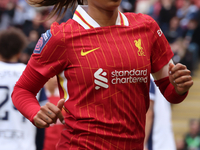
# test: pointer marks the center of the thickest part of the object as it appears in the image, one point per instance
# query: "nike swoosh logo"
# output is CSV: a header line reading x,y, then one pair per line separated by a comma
x,y
85,53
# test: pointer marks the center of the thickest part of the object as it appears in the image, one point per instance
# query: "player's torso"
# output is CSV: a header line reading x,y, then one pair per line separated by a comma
x,y
107,79
16,132
107,59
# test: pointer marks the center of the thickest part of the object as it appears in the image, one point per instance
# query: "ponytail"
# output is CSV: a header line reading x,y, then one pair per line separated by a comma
x,y
57,5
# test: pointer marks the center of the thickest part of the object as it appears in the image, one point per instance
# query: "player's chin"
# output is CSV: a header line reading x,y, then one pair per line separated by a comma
x,y
112,5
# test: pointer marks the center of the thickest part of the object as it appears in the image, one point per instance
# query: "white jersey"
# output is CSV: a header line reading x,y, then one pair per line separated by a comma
x,y
162,134
16,132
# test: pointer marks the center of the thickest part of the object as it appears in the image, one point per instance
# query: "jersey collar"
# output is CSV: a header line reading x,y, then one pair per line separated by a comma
x,y
88,22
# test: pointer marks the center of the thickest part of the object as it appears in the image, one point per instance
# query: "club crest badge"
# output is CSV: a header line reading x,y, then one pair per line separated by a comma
x,y
138,44
42,42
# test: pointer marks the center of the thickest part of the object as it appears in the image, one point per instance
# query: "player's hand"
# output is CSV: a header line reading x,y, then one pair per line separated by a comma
x,y
48,114
180,77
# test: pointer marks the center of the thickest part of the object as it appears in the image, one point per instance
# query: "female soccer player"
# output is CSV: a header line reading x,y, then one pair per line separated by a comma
x,y
103,60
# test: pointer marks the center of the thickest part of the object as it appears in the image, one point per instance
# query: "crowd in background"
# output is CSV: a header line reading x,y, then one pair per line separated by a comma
x,y
31,20
178,19
191,140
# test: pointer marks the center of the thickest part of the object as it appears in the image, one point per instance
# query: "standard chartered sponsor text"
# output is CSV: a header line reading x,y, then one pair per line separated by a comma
x,y
132,76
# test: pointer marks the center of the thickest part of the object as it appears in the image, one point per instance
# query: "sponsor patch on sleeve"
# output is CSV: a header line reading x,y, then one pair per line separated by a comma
x,y
42,42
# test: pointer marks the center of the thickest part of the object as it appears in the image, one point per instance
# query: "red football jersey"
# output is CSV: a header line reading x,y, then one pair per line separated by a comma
x,y
104,76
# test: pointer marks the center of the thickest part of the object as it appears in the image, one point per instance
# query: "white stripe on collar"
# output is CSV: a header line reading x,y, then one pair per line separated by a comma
x,y
88,22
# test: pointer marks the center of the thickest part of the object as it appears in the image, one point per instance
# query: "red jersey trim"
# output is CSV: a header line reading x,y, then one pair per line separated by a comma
x,y
121,19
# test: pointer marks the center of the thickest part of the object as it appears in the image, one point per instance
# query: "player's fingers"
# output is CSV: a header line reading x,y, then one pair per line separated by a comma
x,y
181,73
185,85
171,65
183,79
51,115
61,118
42,115
51,111
176,67
60,106
61,103
40,123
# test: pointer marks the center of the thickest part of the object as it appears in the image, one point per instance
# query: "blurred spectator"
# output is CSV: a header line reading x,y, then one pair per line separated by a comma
x,y
197,3
143,6
3,4
192,42
128,5
16,132
47,23
154,10
192,138
174,31
167,12
34,24
158,129
40,133
68,15
34,28
27,52
23,12
180,144
7,15
186,12
180,52
174,35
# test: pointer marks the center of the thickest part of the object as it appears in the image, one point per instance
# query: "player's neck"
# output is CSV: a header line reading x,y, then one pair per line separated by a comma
x,y
103,17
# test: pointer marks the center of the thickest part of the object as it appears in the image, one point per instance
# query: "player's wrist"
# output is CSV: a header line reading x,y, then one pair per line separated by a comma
x,y
169,92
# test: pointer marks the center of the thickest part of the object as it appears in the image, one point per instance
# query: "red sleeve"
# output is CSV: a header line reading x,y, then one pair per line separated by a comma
x,y
49,57
25,90
161,52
